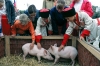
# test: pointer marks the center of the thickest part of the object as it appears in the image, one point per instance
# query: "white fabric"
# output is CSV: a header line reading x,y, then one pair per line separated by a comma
x,y
41,27
78,5
89,24
1,34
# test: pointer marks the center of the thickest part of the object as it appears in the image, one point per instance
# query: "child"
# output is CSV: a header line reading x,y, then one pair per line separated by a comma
x,y
44,26
22,26
80,20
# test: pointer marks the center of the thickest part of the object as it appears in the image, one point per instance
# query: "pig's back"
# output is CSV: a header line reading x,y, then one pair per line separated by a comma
x,y
68,51
26,46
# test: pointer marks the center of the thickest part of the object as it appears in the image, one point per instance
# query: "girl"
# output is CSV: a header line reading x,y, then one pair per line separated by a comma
x,y
81,20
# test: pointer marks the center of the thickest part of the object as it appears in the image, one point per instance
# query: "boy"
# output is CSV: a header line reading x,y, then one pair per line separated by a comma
x,y
80,20
44,26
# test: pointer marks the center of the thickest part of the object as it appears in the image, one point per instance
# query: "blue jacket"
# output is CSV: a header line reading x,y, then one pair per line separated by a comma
x,y
36,17
10,11
57,20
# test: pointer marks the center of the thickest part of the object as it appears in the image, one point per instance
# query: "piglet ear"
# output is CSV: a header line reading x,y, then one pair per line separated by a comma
x,y
45,52
51,47
55,44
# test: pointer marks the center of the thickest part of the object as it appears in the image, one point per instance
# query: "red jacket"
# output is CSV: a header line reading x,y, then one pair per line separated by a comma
x,y
86,6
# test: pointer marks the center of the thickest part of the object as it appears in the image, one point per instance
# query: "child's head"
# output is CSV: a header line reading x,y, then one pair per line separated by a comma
x,y
60,5
69,14
24,19
1,3
32,11
44,14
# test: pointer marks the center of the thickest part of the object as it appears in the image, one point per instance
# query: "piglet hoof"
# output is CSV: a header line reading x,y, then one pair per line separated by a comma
x,y
39,62
54,63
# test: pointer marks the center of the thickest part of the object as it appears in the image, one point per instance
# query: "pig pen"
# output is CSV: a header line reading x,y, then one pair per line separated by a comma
x,y
11,52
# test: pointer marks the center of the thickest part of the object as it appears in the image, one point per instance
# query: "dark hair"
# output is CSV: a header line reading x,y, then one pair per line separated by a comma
x,y
31,9
51,0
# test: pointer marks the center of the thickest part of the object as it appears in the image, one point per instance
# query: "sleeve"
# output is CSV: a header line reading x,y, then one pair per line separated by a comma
x,y
65,39
88,24
85,33
13,29
68,33
38,36
32,31
38,28
53,21
88,9
10,12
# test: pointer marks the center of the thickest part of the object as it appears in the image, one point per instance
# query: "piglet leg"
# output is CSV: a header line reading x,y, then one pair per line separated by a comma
x,y
56,59
39,58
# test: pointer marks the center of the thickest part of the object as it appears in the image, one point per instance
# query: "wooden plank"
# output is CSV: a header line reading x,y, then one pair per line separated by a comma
x,y
92,50
44,37
74,41
7,45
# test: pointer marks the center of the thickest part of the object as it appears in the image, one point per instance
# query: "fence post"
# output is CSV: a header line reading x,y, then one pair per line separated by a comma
x,y
73,41
7,45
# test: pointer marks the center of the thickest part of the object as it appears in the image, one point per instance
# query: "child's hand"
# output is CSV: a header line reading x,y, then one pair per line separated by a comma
x,y
31,46
60,48
81,38
38,45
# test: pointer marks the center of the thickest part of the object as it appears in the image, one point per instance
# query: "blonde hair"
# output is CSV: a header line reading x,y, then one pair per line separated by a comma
x,y
24,19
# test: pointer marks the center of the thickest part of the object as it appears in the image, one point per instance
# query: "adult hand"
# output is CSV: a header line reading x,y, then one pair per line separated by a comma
x,y
60,48
31,46
38,45
81,38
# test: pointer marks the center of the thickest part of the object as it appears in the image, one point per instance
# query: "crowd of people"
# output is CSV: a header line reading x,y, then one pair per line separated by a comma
x,y
55,19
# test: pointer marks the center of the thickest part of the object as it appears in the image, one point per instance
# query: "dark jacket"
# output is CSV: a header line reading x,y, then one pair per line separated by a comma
x,y
57,20
10,11
96,15
36,17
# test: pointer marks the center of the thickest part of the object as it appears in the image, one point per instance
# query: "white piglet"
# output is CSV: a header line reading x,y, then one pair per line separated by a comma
x,y
36,52
67,52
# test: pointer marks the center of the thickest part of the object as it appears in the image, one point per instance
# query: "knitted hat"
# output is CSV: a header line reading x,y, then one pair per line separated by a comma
x,y
68,12
44,13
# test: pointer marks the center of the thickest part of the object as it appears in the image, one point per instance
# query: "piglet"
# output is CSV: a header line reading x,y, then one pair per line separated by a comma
x,y
67,52
36,52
